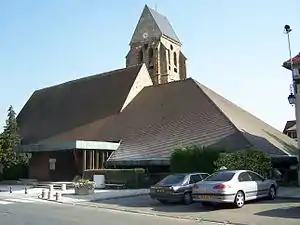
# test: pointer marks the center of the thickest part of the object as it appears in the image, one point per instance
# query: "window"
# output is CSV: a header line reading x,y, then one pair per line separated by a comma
x,y
244,177
169,57
175,58
175,70
173,179
195,178
141,57
52,164
171,47
204,175
255,177
221,176
150,53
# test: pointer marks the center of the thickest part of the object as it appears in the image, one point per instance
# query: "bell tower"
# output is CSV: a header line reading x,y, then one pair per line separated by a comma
x,y
155,43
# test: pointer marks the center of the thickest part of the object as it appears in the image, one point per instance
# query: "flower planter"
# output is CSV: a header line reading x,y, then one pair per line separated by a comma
x,y
84,191
84,187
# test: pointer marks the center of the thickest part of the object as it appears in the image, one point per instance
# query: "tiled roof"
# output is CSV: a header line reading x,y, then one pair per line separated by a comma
x,y
163,24
288,125
185,113
296,60
61,108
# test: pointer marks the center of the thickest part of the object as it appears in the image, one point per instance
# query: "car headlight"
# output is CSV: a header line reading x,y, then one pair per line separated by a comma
x,y
175,188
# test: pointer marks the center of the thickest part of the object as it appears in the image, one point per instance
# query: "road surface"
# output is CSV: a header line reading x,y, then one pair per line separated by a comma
x,y
30,212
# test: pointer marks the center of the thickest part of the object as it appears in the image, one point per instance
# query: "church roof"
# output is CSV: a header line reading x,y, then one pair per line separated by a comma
x,y
66,106
182,113
163,24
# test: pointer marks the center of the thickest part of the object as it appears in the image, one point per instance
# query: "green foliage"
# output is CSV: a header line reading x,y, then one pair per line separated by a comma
x,y
248,159
194,159
132,178
10,161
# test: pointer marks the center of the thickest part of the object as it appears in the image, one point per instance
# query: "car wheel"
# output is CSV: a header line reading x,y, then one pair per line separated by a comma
x,y
272,193
187,198
239,200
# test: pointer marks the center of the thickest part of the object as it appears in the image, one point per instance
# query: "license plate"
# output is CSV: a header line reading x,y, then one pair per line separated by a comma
x,y
204,196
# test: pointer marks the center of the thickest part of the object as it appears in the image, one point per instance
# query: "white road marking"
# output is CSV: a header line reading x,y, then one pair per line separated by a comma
x,y
5,203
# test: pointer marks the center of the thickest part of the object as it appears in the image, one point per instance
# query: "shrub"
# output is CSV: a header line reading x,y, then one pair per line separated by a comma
x,y
194,159
83,183
248,159
133,178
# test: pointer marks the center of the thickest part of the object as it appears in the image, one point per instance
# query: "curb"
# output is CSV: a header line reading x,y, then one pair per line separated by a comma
x,y
198,220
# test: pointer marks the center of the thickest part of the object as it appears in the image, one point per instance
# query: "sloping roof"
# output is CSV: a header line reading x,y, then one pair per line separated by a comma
x,y
163,24
296,61
292,128
257,132
57,109
289,124
184,113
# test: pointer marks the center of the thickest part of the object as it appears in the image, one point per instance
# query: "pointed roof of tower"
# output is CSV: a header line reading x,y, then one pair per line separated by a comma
x,y
163,24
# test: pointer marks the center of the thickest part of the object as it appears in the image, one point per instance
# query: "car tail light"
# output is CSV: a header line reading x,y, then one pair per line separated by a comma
x,y
221,186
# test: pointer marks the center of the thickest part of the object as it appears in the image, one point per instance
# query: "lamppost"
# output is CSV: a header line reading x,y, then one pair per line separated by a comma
x,y
294,96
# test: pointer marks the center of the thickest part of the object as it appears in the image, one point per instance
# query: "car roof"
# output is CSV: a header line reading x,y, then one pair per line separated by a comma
x,y
188,173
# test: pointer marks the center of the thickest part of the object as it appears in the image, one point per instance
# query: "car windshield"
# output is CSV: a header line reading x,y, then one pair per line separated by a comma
x,y
221,176
172,179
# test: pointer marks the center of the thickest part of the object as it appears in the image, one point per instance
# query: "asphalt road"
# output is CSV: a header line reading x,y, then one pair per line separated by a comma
x,y
277,212
49,214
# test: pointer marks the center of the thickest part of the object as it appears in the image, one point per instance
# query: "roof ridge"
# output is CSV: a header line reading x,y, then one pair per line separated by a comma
x,y
106,73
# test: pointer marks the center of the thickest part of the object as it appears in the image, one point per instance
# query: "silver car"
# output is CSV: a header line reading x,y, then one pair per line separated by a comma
x,y
233,186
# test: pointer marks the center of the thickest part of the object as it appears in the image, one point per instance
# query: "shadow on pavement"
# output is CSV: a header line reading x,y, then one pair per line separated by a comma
x,y
292,212
153,205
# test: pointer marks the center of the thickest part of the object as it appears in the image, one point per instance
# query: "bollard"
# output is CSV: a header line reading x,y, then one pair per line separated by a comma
x,y
10,190
50,195
44,194
51,187
25,190
57,196
63,187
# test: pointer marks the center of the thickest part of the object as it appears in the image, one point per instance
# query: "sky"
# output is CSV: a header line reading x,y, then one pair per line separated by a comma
x,y
234,47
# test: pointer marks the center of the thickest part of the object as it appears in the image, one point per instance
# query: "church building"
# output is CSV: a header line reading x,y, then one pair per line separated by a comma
x,y
136,116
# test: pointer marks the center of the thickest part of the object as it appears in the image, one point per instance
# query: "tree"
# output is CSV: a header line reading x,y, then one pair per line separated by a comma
x,y
9,139
248,159
194,159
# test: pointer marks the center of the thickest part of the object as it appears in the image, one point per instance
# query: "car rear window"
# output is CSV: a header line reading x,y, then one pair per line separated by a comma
x,y
221,176
173,179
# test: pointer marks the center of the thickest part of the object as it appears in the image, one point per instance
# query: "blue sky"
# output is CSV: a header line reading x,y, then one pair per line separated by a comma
x,y
234,47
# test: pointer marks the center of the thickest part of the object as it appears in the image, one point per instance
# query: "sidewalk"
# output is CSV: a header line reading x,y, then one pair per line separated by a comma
x,y
288,193
69,196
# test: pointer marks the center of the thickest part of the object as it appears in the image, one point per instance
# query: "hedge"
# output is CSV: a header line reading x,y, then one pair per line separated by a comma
x,y
248,159
133,178
194,159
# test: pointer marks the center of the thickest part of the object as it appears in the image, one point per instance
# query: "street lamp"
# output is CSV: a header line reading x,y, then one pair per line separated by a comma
x,y
293,97
293,89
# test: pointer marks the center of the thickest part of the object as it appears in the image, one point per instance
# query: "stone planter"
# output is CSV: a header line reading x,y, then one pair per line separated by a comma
x,y
84,190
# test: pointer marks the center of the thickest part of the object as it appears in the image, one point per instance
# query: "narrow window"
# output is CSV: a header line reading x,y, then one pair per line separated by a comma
x,y
140,56
175,58
150,53
169,57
